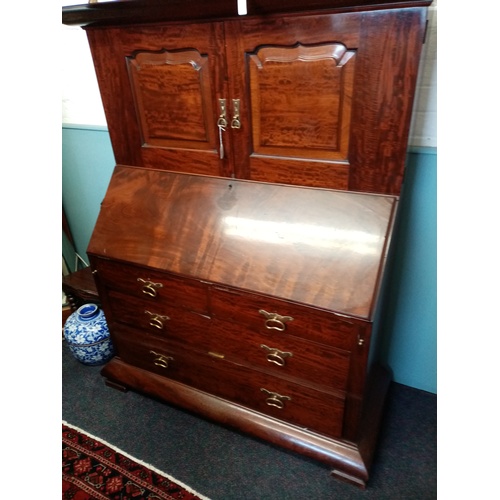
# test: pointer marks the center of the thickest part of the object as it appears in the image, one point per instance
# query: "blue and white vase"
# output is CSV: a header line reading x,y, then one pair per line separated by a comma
x,y
87,334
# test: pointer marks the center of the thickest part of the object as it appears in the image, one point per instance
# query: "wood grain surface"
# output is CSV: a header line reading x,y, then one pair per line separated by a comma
x,y
318,247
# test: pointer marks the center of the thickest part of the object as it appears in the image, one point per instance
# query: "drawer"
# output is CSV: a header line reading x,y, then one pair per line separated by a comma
x,y
158,319
154,286
275,317
282,399
285,355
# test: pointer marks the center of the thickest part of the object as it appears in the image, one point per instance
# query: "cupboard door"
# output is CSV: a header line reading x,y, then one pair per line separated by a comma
x,y
311,100
325,100
161,87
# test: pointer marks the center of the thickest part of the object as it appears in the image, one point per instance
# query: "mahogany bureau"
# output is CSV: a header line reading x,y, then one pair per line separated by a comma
x,y
243,246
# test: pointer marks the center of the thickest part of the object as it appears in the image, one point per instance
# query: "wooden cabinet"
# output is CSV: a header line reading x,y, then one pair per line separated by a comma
x,y
318,100
242,249
261,309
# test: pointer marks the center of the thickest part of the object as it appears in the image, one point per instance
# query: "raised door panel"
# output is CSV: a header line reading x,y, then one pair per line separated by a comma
x,y
310,117
295,84
173,98
325,100
170,79
300,133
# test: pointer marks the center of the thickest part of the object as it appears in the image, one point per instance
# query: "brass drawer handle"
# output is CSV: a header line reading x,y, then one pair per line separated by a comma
x,y
276,356
156,320
275,321
275,399
149,287
161,360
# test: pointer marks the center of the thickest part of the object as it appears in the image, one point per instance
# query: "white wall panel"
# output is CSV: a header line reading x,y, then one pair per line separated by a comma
x,y
423,130
81,100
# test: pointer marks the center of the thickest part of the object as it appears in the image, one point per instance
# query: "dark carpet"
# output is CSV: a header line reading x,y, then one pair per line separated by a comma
x,y
223,464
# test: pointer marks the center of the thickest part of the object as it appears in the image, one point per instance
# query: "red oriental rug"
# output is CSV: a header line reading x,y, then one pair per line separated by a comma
x,y
95,470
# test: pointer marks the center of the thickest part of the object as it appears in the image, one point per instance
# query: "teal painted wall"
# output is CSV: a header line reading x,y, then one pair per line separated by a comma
x,y
411,341
411,321
87,165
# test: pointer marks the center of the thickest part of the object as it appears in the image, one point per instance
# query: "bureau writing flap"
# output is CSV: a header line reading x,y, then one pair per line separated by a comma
x,y
319,247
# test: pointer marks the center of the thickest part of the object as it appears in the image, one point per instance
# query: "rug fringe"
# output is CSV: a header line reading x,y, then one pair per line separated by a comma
x,y
145,464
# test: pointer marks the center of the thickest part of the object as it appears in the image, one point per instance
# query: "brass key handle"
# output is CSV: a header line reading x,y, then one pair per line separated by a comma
x,y
156,320
275,321
161,360
275,399
221,124
275,355
149,287
235,122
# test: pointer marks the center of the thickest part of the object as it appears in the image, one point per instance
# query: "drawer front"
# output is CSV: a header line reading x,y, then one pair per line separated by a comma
x,y
275,317
167,322
273,396
153,286
285,355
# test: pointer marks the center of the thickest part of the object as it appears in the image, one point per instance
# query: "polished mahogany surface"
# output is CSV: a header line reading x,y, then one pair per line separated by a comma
x,y
80,288
319,100
318,247
118,12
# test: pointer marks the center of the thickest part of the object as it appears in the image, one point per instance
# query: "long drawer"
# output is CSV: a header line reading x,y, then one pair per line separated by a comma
x,y
153,286
300,405
285,355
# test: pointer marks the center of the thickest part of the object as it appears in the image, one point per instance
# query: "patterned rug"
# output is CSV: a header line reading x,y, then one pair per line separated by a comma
x,y
95,470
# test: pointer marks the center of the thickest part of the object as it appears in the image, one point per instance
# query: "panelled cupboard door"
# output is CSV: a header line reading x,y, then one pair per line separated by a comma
x,y
314,100
294,77
160,87
325,100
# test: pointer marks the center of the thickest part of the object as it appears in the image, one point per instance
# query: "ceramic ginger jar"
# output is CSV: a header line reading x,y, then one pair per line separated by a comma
x,y
87,335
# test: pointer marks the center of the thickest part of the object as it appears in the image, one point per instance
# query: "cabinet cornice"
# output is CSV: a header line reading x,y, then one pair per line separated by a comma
x,y
127,12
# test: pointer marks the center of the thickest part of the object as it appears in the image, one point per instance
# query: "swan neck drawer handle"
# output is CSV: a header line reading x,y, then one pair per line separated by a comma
x,y
275,399
275,355
156,320
161,360
275,321
149,287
